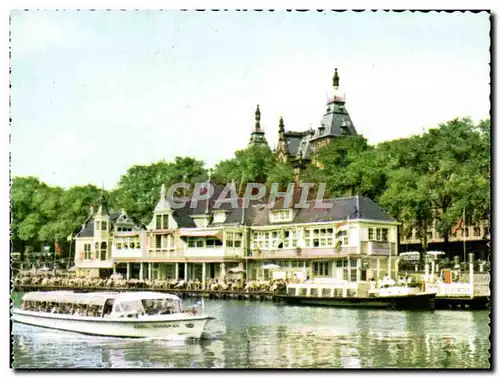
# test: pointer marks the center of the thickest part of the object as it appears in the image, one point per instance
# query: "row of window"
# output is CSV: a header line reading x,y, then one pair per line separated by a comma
x,y
476,232
196,242
318,237
164,242
87,251
128,243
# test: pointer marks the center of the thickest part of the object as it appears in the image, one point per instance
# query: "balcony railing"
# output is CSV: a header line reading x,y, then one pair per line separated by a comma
x,y
128,252
165,253
304,252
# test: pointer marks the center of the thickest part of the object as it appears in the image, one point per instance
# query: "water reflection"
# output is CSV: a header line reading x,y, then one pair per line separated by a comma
x,y
250,334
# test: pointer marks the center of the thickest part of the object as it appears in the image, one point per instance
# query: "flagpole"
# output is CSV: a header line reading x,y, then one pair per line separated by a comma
x,y
463,237
348,258
54,261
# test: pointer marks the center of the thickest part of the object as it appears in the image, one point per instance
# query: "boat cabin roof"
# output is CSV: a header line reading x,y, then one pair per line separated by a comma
x,y
93,298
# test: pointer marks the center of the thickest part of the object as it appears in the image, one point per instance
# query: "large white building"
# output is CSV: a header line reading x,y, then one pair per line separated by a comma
x,y
354,239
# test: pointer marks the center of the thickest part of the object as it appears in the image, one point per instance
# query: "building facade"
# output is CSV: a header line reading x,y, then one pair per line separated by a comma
x,y
353,239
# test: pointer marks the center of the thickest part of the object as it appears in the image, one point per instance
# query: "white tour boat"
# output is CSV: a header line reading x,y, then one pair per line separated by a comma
x,y
128,314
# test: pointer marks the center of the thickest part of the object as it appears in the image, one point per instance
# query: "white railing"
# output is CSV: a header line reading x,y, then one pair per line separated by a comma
x,y
129,252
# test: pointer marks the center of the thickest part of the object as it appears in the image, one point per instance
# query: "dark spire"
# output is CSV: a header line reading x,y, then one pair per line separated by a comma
x,y
281,132
103,206
257,119
336,79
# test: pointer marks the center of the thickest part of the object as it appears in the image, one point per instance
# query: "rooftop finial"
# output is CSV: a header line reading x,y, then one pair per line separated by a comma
x,y
336,79
282,125
162,191
257,118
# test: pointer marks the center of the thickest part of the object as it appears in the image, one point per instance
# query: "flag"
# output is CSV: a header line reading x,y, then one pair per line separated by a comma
x,y
58,248
457,226
340,225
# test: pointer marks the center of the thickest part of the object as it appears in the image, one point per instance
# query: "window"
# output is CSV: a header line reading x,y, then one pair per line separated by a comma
x,y
477,231
104,226
379,234
342,237
262,240
86,249
467,232
321,268
97,225
191,242
281,215
485,231
385,234
118,245
323,237
165,221
219,216
104,250
200,243
132,245
158,222
234,239
158,242
290,239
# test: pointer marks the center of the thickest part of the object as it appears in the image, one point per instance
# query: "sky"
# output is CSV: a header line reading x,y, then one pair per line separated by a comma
x,y
95,92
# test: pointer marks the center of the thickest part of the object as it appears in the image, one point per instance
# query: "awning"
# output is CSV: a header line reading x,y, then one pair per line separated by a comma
x,y
202,233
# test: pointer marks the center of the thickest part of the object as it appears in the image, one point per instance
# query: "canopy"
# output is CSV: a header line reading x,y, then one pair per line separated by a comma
x,y
236,270
271,266
69,297
203,233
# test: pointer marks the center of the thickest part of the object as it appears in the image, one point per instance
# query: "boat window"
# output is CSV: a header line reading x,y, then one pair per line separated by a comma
x,y
80,309
108,307
127,308
326,292
94,310
302,291
314,292
290,291
161,306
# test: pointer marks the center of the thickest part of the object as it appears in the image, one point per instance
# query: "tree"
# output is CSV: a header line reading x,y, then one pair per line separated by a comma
x,y
334,165
138,189
252,164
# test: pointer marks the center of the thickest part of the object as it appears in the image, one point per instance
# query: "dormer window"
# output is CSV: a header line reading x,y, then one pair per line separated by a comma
x,y
162,222
219,216
97,225
104,226
281,215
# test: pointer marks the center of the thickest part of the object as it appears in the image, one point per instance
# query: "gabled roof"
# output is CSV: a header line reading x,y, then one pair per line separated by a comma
x,y
357,207
88,227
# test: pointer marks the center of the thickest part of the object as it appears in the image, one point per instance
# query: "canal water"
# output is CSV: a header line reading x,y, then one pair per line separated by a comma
x,y
269,335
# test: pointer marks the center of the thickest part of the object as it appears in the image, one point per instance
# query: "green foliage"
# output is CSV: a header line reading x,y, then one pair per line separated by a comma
x,y
418,180
43,214
252,164
138,189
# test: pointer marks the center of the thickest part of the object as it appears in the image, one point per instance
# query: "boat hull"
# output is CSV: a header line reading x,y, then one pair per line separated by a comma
x,y
407,302
475,303
189,327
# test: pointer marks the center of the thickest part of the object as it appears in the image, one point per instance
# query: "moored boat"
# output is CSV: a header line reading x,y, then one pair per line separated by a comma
x,y
358,294
130,314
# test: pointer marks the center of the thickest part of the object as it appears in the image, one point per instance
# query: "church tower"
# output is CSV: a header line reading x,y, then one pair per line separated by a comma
x,y
258,136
